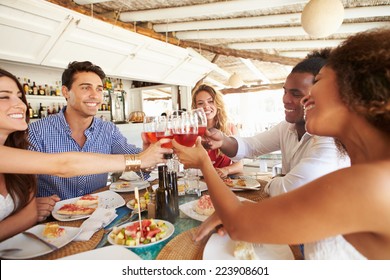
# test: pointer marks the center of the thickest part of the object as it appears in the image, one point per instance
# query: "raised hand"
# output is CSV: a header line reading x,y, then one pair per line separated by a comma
x,y
154,154
213,139
190,157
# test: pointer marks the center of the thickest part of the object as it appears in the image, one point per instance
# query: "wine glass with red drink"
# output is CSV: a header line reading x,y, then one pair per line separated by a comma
x,y
201,119
185,129
150,125
164,130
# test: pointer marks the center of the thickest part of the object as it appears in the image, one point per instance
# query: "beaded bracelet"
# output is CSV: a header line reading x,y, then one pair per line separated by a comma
x,y
132,162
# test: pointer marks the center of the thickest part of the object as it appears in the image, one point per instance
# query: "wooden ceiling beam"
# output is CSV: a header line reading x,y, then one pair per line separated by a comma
x,y
256,55
257,88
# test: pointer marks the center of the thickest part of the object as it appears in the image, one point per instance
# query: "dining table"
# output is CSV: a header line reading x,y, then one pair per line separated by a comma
x,y
179,246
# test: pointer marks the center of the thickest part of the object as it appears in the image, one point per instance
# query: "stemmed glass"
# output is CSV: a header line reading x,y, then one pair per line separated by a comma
x,y
200,117
185,129
149,126
185,133
164,130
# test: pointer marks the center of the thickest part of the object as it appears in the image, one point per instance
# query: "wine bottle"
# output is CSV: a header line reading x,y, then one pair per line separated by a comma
x,y
35,89
165,206
40,111
173,194
162,205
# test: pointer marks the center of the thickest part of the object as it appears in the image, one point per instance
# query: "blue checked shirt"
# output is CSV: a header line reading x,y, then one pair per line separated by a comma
x,y
53,135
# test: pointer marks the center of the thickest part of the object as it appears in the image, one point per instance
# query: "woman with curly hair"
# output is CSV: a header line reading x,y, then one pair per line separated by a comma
x,y
344,214
211,101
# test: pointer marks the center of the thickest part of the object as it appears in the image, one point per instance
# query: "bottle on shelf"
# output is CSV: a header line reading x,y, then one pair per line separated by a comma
x,y
30,90
52,91
26,87
47,90
40,111
34,89
41,90
54,110
35,114
49,112
58,88
30,111
108,84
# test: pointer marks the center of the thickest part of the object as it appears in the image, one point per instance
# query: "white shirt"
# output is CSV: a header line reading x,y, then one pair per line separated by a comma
x,y
6,206
333,248
302,161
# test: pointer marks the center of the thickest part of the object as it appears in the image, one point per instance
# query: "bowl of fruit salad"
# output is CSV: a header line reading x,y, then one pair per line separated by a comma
x,y
132,235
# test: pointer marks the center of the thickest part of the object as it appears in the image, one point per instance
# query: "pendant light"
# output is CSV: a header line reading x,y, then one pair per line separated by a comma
x,y
321,18
235,81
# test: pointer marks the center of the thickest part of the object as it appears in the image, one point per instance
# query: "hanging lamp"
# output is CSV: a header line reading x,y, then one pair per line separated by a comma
x,y
321,18
235,81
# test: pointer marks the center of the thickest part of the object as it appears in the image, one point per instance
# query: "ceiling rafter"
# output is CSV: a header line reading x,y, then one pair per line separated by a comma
x,y
182,43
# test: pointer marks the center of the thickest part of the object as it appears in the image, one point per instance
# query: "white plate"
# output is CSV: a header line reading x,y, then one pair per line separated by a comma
x,y
105,253
107,199
251,184
188,209
125,186
170,231
132,208
222,248
32,248
202,185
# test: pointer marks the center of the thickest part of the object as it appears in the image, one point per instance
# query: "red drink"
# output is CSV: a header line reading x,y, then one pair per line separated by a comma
x,y
201,130
161,135
151,137
186,139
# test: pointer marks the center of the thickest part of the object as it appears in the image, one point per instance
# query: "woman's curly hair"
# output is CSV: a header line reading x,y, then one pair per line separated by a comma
x,y
362,67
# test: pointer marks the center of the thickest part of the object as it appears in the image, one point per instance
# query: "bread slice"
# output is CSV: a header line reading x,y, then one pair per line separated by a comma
x,y
244,251
53,230
88,200
204,206
74,209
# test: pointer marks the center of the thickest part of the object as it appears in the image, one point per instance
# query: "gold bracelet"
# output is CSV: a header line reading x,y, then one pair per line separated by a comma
x,y
132,162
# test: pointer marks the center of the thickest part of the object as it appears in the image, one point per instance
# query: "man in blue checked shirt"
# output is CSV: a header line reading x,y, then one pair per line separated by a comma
x,y
75,128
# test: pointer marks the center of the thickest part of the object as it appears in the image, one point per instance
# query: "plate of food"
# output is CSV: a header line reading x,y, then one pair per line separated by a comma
x,y
125,186
83,206
143,201
242,183
201,208
129,235
31,248
181,186
223,248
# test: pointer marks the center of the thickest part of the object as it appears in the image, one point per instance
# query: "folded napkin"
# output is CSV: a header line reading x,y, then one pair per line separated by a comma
x,y
129,176
99,219
152,177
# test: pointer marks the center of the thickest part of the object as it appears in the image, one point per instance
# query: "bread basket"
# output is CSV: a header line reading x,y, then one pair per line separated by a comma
x,y
136,117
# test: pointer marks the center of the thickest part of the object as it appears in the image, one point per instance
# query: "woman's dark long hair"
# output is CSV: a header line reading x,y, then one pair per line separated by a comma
x,y
21,187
